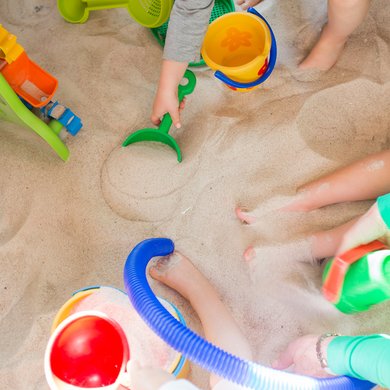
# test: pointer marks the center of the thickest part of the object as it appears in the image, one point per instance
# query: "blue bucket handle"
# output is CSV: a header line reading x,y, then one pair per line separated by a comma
x,y
273,54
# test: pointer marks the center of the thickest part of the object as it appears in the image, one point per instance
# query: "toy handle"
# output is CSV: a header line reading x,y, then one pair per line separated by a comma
x,y
183,90
272,60
333,284
189,87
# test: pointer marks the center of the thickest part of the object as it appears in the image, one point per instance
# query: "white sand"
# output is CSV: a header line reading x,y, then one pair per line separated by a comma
x,y
64,226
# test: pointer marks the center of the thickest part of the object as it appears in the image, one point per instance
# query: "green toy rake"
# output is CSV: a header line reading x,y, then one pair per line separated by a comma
x,y
148,13
161,133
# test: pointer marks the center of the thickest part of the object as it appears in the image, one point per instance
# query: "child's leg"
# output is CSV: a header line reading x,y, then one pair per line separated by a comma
x,y
325,243
312,249
362,180
344,16
177,272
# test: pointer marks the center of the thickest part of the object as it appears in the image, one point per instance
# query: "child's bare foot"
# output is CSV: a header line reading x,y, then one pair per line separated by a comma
x,y
177,272
244,217
325,53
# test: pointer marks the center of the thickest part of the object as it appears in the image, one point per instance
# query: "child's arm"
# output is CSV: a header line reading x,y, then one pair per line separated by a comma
x,y
374,224
166,99
187,26
364,357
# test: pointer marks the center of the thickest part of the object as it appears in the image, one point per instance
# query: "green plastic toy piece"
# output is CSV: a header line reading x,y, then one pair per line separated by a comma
x,y
13,110
221,7
384,208
366,283
148,13
161,133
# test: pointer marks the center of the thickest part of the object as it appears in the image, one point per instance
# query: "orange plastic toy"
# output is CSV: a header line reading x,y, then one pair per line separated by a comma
x,y
29,81
22,79
26,78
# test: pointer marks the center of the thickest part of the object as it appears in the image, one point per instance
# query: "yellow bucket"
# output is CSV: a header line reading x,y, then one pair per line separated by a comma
x,y
179,366
238,45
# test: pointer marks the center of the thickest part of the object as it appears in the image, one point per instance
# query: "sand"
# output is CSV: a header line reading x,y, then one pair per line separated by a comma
x,y
64,226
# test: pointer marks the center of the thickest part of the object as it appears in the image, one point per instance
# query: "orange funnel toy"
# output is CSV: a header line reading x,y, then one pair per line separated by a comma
x,y
29,81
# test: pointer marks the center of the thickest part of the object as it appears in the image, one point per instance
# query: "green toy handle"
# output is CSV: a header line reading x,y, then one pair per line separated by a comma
x,y
183,90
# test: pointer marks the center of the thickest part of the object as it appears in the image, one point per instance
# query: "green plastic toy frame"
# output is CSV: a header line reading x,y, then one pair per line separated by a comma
x,y
13,110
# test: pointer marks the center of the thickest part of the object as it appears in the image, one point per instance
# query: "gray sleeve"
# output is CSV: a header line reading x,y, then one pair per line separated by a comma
x,y
188,23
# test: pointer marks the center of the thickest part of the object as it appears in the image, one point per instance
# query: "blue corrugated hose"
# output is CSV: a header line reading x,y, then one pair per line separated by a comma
x,y
197,349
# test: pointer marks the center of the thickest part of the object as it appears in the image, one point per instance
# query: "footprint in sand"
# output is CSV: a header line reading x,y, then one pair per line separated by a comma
x,y
349,120
144,182
13,218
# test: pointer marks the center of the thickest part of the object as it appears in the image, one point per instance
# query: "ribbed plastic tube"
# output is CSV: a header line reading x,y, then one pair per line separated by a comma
x,y
197,349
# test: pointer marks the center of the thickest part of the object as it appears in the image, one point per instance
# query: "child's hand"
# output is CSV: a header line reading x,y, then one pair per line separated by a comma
x,y
166,100
245,4
301,354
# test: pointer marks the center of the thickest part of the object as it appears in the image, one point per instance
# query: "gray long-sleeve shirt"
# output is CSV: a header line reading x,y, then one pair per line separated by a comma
x,y
187,26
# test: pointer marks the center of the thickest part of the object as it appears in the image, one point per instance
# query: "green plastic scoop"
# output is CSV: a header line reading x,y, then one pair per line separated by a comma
x,y
161,133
